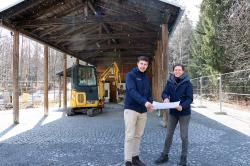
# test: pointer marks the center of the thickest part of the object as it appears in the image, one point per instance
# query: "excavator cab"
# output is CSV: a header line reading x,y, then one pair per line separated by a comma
x,y
84,89
87,92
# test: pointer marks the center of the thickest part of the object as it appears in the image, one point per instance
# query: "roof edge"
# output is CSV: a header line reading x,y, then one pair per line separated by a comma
x,y
11,5
180,14
177,21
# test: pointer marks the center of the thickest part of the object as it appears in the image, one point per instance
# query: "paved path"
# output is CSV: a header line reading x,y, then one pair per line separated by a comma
x,y
98,141
232,117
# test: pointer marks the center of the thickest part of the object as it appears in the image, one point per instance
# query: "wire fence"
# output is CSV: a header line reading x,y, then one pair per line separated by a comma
x,y
31,94
229,90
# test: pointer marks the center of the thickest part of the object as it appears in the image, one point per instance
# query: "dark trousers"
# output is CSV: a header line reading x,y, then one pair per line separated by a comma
x,y
172,122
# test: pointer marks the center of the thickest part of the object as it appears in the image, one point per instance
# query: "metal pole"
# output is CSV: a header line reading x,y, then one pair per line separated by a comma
x,y
220,93
32,93
65,83
60,89
201,91
46,101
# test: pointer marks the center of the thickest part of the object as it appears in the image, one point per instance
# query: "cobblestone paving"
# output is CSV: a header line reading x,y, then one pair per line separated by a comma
x,y
98,141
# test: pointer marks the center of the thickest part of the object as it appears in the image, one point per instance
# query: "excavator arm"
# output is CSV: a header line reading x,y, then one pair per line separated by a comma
x,y
113,71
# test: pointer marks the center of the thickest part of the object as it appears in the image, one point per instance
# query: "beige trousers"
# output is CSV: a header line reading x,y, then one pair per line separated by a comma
x,y
134,128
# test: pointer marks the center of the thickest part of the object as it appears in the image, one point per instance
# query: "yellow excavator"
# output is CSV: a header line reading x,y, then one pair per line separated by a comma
x,y
88,93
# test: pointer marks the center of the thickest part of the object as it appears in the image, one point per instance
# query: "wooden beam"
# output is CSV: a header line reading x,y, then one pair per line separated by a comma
x,y
65,83
86,56
46,80
144,27
19,8
69,11
15,67
122,58
109,60
78,20
148,4
126,46
69,34
37,38
75,30
132,26
86,9
164,65
51,6
104,25
117,7
160,63
158,70
165,55
102,44
86,37
135,6
49,30
154,78
135,16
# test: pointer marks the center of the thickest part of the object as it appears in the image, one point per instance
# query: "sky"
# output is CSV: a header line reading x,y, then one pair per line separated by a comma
x,y
191,7
6,4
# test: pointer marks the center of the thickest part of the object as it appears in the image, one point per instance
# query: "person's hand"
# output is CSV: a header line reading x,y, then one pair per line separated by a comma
x,y
149,106
151,110
179,108
166,100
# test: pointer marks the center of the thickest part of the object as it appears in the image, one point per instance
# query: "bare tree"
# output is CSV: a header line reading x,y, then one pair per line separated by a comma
x,y
5,60
180,42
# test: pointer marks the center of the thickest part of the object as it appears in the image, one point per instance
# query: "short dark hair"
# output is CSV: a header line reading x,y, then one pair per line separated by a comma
x,y
181,65
142,58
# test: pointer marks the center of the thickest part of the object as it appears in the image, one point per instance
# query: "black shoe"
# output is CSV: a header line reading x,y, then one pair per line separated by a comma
x,y
183,161
137,162
162,159
128,163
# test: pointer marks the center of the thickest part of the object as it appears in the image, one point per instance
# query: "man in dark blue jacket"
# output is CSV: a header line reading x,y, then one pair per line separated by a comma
x,y
178,88
138,101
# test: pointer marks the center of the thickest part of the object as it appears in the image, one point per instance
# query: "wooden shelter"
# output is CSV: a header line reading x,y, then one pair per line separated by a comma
x,y
97,31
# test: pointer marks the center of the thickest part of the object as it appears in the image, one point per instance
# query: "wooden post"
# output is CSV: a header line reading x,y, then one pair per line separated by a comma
x,y
158,71
165,55
165,61
46,82
153,76
65,83
77,61
86,11
60,91
15,67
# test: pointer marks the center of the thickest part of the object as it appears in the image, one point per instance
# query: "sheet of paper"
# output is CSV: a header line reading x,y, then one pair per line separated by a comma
x,y
158,105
